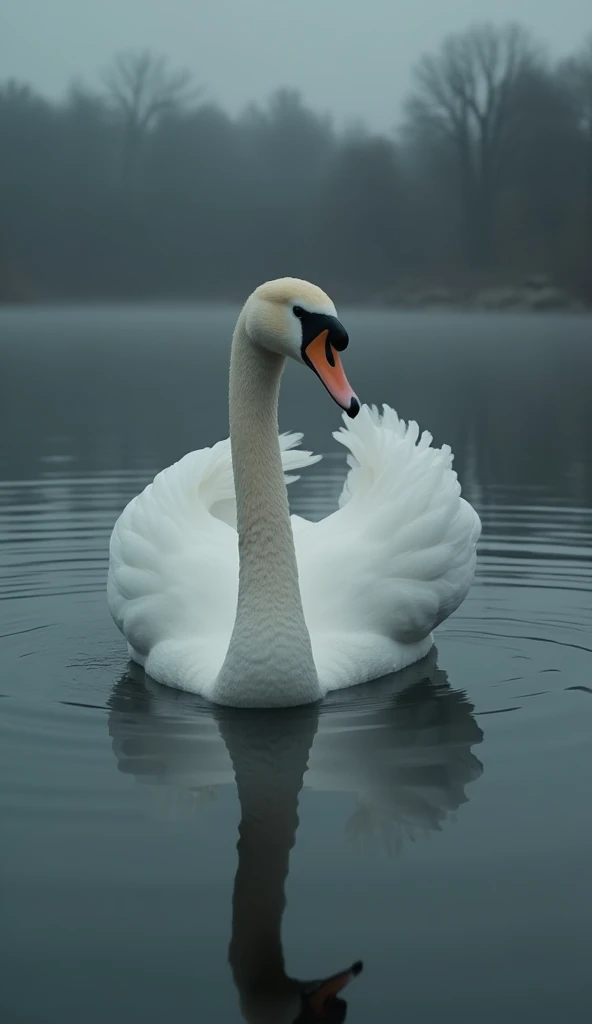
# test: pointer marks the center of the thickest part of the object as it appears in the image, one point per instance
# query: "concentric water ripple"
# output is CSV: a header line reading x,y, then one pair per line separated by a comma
x,y
444,832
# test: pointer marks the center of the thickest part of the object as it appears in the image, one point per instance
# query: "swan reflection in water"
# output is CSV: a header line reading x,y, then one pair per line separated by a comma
x,y
402,746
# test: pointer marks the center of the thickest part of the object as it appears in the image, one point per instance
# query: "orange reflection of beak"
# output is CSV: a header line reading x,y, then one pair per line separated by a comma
x,y
328,989
326,363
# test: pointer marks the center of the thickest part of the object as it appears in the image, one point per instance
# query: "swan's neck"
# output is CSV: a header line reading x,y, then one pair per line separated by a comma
x,y
269,659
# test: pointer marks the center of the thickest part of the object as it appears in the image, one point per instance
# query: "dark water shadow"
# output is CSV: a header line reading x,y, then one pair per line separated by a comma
x,y
402,745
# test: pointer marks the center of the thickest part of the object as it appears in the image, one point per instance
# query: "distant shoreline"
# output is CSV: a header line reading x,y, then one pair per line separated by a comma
x,y
495,300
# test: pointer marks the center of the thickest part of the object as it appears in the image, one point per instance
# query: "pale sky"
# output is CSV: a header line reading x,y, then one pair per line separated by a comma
x,y
351,58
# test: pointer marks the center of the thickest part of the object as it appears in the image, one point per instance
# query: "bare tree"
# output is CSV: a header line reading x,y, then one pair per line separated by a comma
x,y
576,74
467,95
142,90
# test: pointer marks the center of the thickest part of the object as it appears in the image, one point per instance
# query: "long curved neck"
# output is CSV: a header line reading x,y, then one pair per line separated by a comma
x,y
269,659
263,516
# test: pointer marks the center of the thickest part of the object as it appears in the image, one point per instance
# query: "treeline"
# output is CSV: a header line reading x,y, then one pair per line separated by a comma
x,y
144,189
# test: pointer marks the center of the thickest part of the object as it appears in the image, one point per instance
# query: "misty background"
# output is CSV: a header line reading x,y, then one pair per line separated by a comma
x,y
137,182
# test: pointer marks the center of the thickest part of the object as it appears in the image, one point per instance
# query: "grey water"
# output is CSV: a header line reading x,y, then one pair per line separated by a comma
x,y
436,825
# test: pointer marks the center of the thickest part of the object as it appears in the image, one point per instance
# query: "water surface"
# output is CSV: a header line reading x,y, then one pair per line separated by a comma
x,y
443,832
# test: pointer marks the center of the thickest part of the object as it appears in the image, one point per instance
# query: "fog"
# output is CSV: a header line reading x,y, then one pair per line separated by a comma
x,y
350,58
394,154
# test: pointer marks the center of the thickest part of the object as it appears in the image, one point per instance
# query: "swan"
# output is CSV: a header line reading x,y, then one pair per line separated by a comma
x,y
406,756
219,591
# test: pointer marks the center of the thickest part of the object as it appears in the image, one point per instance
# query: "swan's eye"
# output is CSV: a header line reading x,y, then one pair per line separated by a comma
x,y
298,311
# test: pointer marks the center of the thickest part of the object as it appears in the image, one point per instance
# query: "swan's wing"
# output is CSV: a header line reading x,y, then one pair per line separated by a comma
x,y
173,566
399,555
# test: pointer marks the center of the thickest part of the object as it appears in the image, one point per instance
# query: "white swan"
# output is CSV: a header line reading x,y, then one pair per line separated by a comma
x,y
218,591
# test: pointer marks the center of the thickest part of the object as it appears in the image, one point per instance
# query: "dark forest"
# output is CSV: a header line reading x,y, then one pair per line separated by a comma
x,y
143,188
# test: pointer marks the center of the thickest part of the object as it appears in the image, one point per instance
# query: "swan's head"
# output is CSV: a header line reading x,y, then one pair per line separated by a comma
x,y
298,320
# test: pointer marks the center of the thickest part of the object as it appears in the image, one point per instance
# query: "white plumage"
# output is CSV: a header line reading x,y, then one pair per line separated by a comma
x,y
376,576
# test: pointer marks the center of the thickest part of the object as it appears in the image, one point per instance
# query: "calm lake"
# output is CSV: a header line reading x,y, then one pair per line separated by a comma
x,y
436,826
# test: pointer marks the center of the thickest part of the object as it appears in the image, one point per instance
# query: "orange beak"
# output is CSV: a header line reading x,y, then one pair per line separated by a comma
x,y
326,363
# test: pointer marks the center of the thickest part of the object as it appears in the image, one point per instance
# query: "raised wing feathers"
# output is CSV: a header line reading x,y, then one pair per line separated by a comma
x,y
399,555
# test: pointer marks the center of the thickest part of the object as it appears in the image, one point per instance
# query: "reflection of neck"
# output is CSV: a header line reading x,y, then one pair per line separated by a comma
x,y
269,654
266,835
269,766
